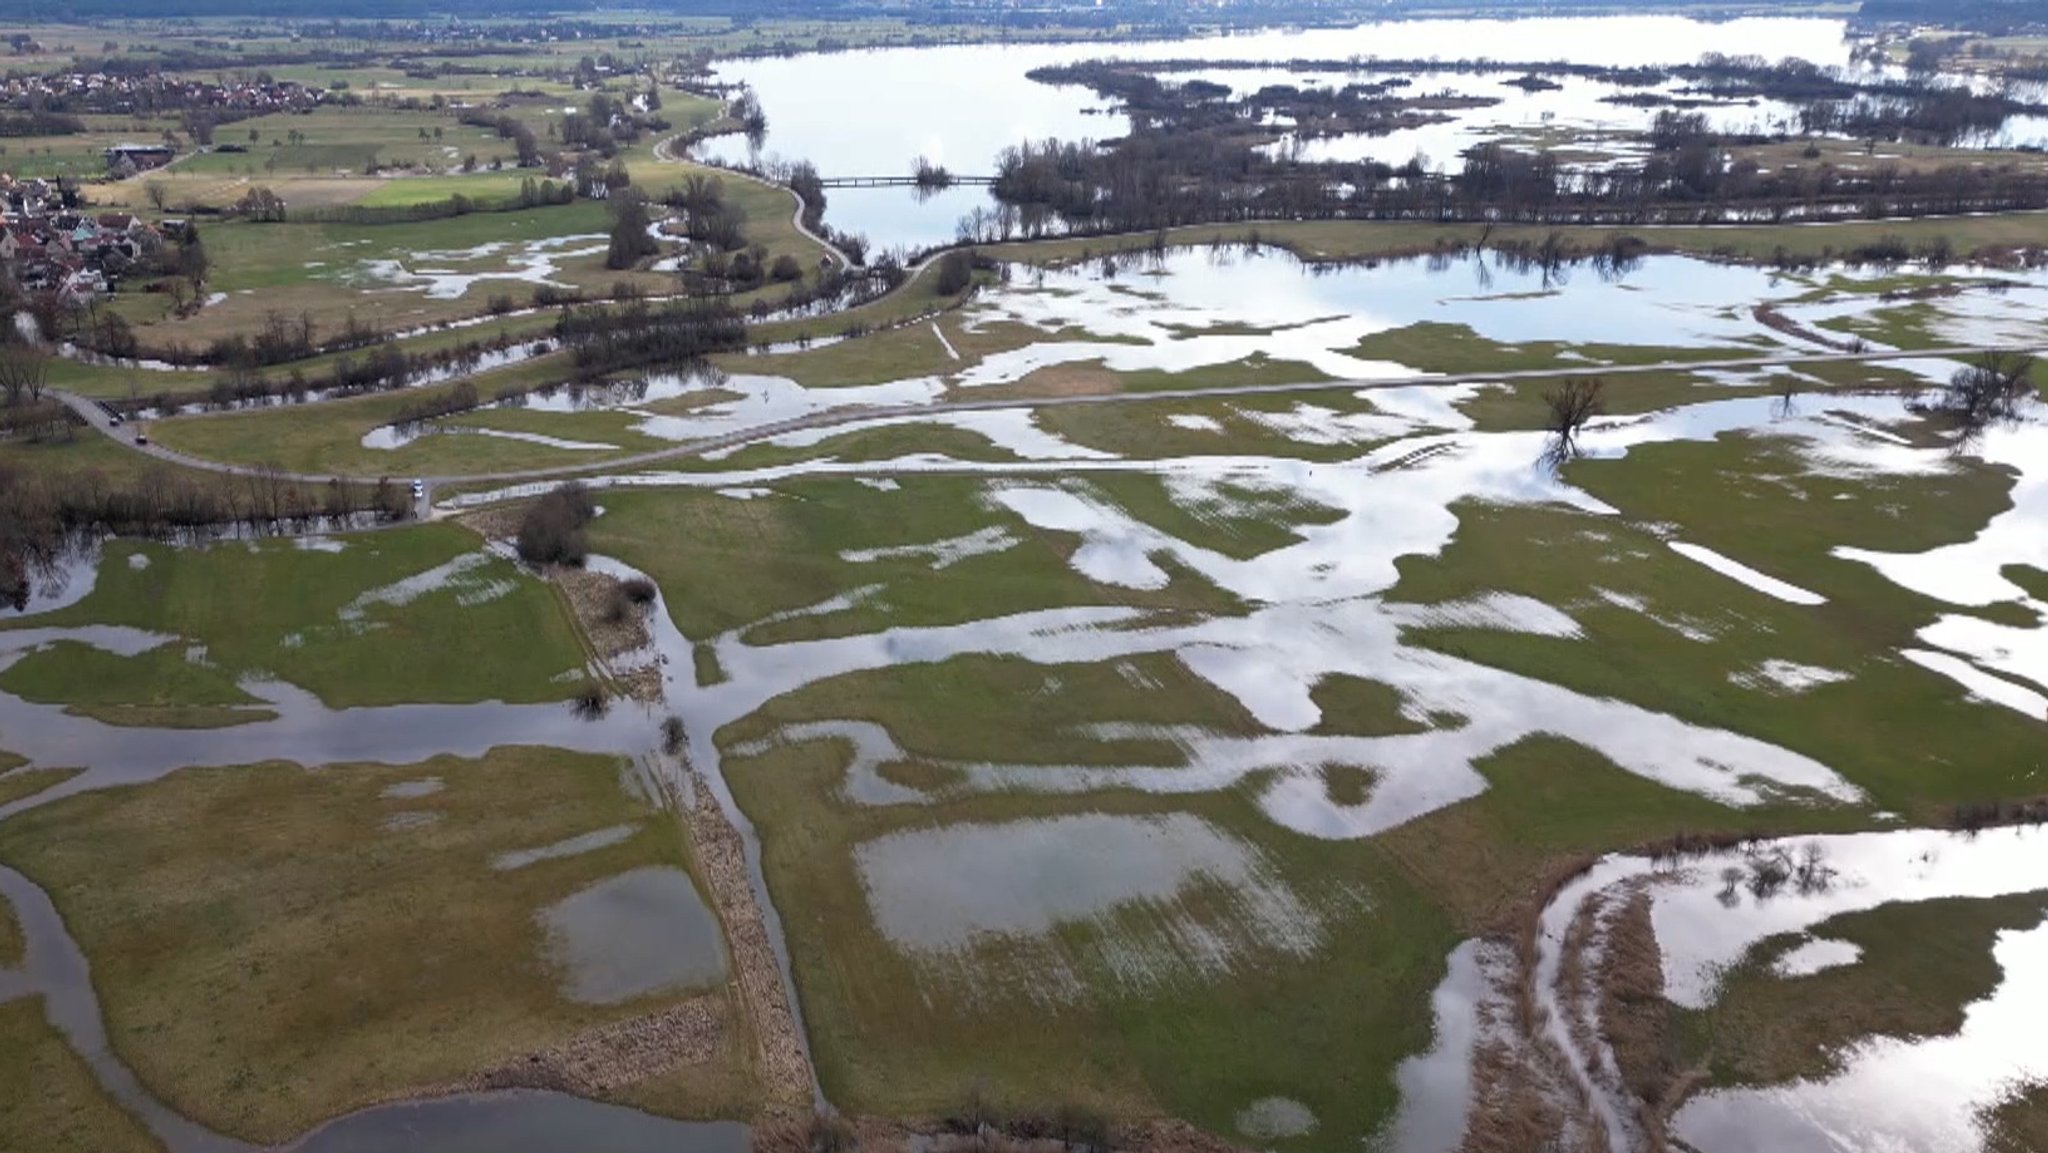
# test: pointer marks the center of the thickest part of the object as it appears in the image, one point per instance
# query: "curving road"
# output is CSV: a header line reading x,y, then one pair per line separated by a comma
x,y
98,417
664,152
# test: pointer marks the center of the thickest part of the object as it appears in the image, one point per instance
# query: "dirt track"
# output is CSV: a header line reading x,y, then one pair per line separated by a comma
x,y
785,1072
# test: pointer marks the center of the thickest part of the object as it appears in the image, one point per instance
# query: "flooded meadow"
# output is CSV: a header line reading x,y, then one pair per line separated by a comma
x,y
1030,717
1592,122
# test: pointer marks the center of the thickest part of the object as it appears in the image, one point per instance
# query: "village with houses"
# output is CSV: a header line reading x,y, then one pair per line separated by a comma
x,y
49,244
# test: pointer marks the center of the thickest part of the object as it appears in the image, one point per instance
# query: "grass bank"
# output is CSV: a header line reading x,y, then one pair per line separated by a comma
x,y
331,942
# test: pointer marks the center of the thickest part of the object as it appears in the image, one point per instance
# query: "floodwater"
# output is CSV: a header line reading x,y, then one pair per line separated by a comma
x,y
1903,1095
1212,308
1994,660
535,262
65,580
936,893
1815,955
519,1122
569,847
642,932
1316,607
804,96
1735,570
1436,1085
1271,1118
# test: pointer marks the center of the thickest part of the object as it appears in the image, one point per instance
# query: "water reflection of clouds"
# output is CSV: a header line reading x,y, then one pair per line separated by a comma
x,y
920,112
1890,1093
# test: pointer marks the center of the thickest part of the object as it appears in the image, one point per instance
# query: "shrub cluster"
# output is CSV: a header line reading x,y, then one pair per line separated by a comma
x,y
551,532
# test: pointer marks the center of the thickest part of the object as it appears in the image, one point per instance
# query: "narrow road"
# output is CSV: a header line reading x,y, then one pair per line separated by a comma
x,y
125,434
665,153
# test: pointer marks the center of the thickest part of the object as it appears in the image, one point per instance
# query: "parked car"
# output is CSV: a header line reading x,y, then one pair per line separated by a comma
x,y
141,437
419,490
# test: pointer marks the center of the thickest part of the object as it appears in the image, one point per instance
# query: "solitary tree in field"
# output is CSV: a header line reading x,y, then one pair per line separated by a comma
x,y
1570,406
1992,389
1573,403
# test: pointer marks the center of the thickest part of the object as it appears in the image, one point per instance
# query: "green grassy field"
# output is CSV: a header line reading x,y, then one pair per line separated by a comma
x,y
17,783
345,139
330,270
1455,349
487,634
162,687
327,438
314,953
729,563
484,186
1878,728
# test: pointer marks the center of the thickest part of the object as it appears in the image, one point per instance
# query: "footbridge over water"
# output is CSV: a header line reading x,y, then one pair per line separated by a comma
x,y
901,182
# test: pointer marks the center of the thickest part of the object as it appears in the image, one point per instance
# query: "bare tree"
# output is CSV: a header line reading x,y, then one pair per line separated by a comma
x,y
1992,389
1786,406
159,194
23,373
1571,405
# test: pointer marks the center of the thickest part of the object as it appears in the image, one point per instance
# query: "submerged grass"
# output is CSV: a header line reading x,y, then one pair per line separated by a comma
x,y
307,956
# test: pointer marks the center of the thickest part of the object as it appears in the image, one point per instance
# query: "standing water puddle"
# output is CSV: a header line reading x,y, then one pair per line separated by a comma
x,y
642,932
941,891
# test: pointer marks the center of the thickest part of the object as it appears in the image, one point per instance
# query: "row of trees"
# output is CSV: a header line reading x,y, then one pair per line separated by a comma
x,y
42,514
1154,181
379,367
601,341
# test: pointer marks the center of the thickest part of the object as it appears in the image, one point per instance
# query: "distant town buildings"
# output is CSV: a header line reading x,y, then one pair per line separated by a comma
x,y
153,93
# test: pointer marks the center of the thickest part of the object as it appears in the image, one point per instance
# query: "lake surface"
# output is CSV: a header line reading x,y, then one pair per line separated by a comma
x,y
911,99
